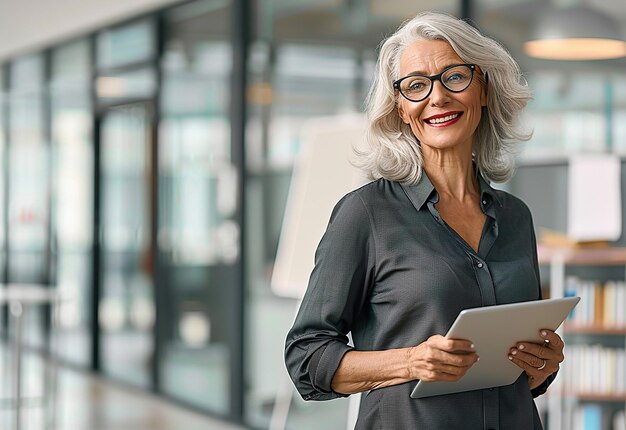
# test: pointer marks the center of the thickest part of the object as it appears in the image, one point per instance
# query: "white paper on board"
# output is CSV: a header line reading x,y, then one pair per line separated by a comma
x,y
594,208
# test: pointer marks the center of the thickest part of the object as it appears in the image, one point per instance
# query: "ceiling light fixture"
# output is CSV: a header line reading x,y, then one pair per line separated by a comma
x,y
576,33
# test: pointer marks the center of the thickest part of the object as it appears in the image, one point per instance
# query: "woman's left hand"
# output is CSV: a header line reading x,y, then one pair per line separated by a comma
x,y
539,361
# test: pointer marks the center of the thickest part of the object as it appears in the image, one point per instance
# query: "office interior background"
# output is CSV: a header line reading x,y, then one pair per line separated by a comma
x,y
147,149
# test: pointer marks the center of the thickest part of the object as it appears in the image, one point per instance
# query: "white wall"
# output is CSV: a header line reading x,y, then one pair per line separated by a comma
x,y
28,25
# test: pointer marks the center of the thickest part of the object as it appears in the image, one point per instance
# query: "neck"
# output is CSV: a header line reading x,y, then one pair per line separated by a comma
x,y
453,176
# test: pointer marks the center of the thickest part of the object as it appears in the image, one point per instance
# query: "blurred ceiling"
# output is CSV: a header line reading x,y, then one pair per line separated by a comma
x,y
357,23
28,25
510,22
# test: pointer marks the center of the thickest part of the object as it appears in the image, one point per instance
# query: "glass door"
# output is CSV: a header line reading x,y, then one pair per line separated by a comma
x,y
126,304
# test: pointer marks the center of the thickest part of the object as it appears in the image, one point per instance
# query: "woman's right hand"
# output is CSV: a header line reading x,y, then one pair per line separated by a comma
x,y
441,359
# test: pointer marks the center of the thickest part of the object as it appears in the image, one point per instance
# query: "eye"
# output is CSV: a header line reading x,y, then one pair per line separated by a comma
x,y
455,77
416,86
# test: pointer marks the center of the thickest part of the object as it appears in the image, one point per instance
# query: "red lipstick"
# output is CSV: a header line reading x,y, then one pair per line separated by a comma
x,y
444,119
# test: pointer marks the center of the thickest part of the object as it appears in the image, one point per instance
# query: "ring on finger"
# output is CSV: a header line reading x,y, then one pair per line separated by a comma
x,y
543,365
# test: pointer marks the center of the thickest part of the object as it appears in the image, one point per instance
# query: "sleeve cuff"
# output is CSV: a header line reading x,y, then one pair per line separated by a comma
x,y
536,392
328,363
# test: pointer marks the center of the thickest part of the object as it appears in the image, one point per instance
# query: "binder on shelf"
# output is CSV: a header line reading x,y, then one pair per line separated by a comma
x,y
602,305
592,417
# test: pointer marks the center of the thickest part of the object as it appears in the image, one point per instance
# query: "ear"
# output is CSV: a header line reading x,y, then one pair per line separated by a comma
x,y
402,114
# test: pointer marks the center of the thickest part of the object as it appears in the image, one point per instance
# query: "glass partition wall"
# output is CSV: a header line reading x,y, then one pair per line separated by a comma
x,y
125,91
90,174
169,235
198,231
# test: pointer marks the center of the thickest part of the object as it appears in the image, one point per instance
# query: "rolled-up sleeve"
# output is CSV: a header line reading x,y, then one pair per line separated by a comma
x,y
337,292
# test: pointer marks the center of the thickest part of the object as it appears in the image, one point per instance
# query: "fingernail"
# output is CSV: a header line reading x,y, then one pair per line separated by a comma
x,y
472,346
510,358
544,333
477,359
520,347
514,352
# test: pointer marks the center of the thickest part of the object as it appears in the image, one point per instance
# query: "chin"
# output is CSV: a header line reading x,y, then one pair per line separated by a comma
x,y
446,144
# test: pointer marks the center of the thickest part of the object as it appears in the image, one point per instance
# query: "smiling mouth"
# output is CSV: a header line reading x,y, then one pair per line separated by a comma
x,y
446,119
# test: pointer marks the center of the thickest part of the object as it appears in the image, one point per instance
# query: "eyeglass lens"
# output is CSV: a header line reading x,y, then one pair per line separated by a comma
x,y
455,79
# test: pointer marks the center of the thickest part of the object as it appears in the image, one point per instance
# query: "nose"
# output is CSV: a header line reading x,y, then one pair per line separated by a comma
x,y
439,95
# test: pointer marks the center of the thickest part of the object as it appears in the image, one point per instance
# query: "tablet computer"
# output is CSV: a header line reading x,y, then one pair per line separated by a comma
x,y
494,330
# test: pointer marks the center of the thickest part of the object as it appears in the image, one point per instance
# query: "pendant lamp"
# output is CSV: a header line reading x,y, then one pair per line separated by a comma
x,y
576,33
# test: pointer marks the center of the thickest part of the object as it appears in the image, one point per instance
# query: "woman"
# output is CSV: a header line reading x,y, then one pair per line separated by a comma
x,y
404,254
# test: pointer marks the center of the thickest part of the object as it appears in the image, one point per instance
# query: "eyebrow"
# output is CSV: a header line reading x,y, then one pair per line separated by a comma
x,y
422,73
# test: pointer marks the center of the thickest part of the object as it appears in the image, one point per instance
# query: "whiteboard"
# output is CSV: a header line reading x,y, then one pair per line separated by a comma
x,y
322,175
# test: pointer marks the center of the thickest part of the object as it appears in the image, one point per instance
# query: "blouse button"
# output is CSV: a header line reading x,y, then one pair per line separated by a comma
x,y
480,265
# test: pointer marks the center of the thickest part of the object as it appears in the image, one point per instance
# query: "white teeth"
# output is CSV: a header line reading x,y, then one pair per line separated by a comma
x,y
443,119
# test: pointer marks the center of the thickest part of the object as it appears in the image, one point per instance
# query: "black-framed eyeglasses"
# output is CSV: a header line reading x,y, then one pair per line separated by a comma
x,y
455,78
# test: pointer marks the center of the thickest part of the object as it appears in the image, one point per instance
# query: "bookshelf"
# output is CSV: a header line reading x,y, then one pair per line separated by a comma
x,y
594,329
592,381
582,256
595,397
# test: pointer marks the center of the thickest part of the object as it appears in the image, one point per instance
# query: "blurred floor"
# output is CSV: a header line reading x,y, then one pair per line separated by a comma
x,y
85,402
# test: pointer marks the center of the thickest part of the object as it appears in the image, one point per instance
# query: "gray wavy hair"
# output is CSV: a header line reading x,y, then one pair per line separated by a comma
x,y
394,152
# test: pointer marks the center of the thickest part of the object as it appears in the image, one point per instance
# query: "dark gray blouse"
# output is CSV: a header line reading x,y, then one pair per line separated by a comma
x,y
389,270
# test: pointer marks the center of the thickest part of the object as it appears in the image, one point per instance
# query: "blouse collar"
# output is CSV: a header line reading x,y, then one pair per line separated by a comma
x,y
424,191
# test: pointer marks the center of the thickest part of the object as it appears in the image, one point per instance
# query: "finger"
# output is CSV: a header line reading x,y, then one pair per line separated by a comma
x,y
531,360
537,350
452,345
552,339
452,369
530,370
458,360
434,355
436,375
542,351
443,372
430,356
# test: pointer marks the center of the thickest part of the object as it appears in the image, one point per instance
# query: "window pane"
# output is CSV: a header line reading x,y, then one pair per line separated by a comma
x,y
72,197
198,236
126,307
566,114
124,45
28,169
29,185
617,85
